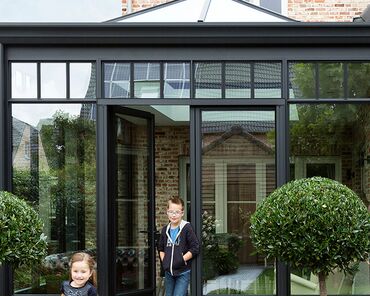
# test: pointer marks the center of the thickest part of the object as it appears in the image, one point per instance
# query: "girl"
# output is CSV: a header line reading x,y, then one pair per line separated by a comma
x,y
82,277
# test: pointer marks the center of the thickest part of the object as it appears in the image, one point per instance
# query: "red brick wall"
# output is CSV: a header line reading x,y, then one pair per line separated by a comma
x,y
325,10
137,5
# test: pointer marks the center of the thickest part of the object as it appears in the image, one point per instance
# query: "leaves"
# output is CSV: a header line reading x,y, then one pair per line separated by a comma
x,y
21,238
316,223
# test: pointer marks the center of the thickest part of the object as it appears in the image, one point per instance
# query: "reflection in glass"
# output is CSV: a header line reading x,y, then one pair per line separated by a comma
x,y
331,83
53,80
24,80
117,80
359,80
332,140
267,80
238,80
207,80
54,169
82,80
302,81
131,201
146,80
238,171
176,80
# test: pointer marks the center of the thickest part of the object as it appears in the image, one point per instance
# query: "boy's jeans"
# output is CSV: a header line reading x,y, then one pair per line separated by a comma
x,y
177,285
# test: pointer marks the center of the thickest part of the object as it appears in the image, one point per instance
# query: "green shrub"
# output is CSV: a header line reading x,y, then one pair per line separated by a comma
x,y
313,223
226,262
22,241
219,249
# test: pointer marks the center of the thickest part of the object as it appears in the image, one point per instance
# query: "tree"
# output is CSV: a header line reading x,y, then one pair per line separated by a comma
x,y
314,223
22,241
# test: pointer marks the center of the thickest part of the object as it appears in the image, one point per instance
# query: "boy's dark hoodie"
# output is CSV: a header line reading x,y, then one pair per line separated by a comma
x,y
185,241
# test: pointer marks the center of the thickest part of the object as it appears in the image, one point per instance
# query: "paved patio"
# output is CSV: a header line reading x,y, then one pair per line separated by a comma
x,y
238,281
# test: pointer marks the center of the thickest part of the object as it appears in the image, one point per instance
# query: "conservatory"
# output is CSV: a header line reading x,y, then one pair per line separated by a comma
x,y
102,123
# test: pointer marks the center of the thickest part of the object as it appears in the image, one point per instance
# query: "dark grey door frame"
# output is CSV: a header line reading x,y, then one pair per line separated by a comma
x,y
6,282
106,211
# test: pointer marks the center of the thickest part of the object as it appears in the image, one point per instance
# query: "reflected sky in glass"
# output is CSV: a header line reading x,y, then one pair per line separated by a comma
x,y
80,75
24,80
53,80
44,111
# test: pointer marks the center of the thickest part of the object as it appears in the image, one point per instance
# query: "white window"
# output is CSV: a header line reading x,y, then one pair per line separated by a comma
x,y
309,166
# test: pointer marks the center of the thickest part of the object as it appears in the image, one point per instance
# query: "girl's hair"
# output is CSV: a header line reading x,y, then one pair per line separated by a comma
x,y
176,200
81,256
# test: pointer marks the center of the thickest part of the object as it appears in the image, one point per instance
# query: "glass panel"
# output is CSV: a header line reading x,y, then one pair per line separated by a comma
x,y
238,80
267,80
238,171
208,80
359,80
177,80
332,140
54,168
82,80
302,81
172,166
331,83
272,5
147,80
117,80
53,80
131,201
24,80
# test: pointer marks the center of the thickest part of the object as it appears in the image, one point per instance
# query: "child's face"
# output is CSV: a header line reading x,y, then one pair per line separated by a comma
x,y
175,213
80,273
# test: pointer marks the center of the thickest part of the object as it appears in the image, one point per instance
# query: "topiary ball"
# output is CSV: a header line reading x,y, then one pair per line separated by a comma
x,y
22,241
316,223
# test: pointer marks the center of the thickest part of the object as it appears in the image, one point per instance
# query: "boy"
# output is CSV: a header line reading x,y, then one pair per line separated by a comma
x,y
177,246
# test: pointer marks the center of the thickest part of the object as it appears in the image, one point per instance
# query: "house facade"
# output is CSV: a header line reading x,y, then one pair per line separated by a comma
x,y
116,118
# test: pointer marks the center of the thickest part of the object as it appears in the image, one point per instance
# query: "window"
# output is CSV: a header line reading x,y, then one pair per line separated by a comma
x,y
24,80
53,80
209,80
329,80
331,140
54,168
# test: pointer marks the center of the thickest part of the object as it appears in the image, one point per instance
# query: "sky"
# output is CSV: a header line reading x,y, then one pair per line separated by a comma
x,y
59,10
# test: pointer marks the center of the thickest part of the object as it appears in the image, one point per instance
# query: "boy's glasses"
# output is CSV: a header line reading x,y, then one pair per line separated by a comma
x,y
174,213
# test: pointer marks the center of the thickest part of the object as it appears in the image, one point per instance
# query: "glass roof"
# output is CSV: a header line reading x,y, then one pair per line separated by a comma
x,y
204,11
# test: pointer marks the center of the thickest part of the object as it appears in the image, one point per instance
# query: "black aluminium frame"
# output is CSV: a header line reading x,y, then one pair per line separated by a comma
x,y
283,41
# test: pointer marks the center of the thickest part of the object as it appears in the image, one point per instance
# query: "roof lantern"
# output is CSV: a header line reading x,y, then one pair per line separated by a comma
x,y
192,11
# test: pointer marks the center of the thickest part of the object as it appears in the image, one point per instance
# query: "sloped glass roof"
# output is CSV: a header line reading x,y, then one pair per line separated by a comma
x,y
204,11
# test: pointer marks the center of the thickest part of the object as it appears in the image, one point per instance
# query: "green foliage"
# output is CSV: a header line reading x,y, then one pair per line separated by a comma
x,y
321,128
22,241
304,79
219,250
314,223
226,261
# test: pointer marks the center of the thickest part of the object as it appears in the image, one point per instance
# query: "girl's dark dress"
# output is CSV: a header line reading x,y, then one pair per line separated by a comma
x,y
87,290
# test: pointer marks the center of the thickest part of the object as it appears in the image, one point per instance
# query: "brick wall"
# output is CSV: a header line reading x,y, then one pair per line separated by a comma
x,y
325,10
170,144
137,5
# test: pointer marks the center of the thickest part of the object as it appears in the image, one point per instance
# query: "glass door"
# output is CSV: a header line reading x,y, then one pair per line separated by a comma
x,y
238,171
131,201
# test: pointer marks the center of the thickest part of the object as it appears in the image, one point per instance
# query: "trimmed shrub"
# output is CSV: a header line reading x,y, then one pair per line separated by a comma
x,y
313,223
22,241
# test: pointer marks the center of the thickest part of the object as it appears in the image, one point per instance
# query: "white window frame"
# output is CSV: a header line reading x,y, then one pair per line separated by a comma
x,y
221,201
300,165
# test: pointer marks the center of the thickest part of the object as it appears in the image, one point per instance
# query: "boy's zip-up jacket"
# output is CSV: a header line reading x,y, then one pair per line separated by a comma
x,y
185,241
